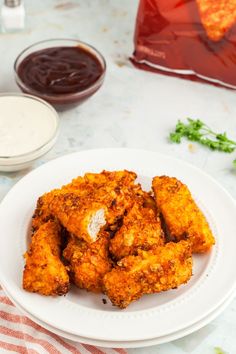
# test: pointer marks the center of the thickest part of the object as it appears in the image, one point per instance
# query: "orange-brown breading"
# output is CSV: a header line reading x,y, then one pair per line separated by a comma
x,y
182,216
88,262
149,202
116,190
44,272
217,17
87,212
163,268
88,203
42,213
141,229
82,217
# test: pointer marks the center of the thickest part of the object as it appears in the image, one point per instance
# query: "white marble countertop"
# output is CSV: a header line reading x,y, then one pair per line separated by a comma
x,y
133,109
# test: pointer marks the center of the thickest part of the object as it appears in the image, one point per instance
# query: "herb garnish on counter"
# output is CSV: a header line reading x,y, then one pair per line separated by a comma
x,y
196,130
218,350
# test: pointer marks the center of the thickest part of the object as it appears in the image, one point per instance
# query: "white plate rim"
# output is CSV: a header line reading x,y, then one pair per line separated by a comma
x,y
143,316
135,344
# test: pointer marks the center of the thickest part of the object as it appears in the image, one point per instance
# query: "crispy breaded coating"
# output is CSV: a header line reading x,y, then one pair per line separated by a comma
x,y
182,216
88,203
88,262
43,213
80,216
122,178
44,273
103,218
160,269
149,202
141,229
117,192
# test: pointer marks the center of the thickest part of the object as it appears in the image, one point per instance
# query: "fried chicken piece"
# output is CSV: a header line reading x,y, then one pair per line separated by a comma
x,y
43,212
88,203
163,268
44,273
122,178
182,216
149,202
88,262
80,216
141,229
117,192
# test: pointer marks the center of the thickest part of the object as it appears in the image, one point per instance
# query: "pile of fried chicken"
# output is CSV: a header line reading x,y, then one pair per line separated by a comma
x,y
103,233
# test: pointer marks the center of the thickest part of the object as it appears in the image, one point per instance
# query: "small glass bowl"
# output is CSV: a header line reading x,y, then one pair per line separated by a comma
x,y
17,162
61,101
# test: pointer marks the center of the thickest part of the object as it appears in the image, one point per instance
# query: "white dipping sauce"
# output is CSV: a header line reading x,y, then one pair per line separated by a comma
x,y
25,125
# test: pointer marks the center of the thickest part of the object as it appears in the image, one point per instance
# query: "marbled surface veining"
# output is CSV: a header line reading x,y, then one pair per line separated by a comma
x,y
133,109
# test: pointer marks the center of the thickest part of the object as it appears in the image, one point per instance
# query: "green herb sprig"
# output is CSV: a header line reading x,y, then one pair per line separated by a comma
x,y
218,350
196,130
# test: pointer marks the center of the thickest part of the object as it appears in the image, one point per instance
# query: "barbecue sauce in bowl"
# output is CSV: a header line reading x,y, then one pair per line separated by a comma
x,y
62,75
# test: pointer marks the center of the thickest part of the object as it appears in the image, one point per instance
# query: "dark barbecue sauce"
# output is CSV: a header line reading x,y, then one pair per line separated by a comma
x,y
60,70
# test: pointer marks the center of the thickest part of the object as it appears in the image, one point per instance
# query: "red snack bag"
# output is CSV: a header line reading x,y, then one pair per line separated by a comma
x,y
195,39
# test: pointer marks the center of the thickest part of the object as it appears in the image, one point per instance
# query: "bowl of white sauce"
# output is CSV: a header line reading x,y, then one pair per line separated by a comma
x,y
28,130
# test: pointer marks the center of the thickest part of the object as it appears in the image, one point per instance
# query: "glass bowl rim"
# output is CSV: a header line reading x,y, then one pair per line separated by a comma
x,y
67,95
4,159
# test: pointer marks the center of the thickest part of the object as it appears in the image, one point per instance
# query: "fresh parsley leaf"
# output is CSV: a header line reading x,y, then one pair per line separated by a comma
x,y
196,130
218,350
175,137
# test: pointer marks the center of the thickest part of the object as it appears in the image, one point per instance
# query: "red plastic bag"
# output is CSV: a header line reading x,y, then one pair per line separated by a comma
x,y
195,39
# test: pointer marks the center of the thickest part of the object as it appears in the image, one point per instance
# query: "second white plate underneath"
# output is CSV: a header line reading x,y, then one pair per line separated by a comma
x,y
138,343
154,316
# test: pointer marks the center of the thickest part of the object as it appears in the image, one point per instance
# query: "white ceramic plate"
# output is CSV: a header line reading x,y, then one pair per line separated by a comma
x,y
80,313
135,344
